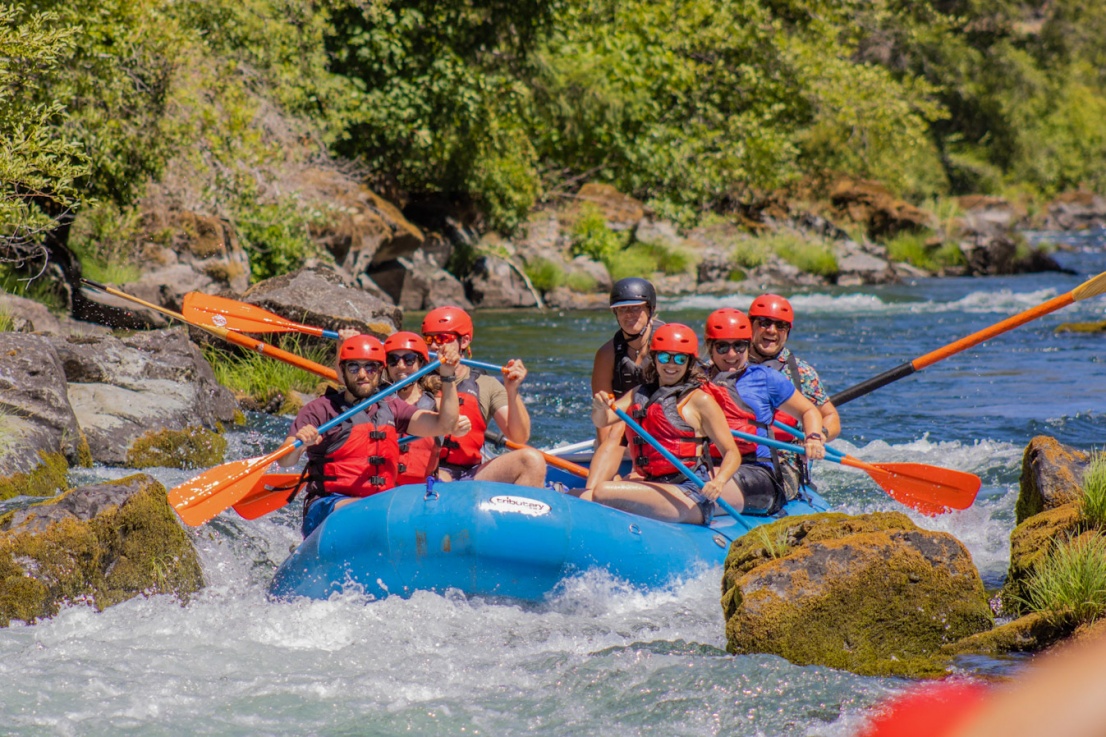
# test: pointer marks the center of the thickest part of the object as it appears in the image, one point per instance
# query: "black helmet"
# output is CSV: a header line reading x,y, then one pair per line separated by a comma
x,y
634,290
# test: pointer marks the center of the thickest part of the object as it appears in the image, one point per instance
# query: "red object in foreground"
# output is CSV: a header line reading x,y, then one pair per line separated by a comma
x,y
930,710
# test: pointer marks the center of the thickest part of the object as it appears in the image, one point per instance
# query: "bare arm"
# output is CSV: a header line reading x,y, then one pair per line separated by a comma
x,y
427,423
514,419
602,370
704,414
803,408
831,421
309,434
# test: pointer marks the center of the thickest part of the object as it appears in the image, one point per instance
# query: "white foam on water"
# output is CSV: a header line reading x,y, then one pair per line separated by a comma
x,y
982,301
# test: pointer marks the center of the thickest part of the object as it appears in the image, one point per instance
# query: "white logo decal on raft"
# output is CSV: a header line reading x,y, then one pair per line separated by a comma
x,y
219,320
517,504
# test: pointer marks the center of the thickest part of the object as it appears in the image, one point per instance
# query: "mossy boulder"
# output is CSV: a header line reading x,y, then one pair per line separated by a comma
x,y
1030,543
872,594
39,434
1052,475
1028,634
100,544
192,447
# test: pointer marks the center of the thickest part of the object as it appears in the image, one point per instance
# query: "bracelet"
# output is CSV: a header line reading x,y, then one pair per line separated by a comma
x,y
448,379
814,436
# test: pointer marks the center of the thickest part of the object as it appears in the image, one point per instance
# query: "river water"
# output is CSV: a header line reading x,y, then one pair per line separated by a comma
x,y
597,658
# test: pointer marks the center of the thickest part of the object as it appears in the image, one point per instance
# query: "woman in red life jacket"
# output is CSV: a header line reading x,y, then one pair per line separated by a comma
x,y
672,407
750,396
481,399
360,457
773,320
618,364
407,353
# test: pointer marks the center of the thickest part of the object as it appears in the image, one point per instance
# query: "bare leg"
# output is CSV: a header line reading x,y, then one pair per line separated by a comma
x,y
524,467
607,457
658,501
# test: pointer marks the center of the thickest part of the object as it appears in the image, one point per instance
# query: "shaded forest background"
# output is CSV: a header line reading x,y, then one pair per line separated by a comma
x,y
492,108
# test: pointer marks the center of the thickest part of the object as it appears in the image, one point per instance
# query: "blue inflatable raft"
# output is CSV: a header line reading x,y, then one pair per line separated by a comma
x,y
498,540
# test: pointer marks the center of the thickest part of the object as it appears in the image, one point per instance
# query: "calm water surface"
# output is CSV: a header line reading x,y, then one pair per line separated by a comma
x,y
596,658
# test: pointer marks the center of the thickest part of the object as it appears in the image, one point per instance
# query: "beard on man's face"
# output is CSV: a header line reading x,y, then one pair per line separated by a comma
x,y
364,390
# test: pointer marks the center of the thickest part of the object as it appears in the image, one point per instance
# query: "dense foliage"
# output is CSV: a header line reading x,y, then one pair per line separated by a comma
x,y
691,105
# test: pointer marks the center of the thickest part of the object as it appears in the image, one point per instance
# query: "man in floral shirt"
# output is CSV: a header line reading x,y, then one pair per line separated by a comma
x,y
772,318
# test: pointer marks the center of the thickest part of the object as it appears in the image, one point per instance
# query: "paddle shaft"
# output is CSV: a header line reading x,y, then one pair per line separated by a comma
x,y
573,468
1089,288
228,335
836,457
242,316
668,456
796,433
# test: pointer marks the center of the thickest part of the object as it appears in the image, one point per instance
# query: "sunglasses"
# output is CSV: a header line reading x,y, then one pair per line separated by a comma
x,y
407,359
355,367
441,338
680,359
767,322
738,346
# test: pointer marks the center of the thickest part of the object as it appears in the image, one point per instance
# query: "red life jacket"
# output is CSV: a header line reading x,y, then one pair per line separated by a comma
x,y
739,415
781,416
419,458
361,455
467,450
659,415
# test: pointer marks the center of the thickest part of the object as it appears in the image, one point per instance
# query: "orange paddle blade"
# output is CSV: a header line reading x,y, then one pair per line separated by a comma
x,y
930,490
233,315
272,492
202,498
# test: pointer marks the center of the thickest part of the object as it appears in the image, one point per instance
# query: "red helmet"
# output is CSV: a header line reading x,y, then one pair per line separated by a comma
x,y
675,338
447,320
362,348
407,341
772,306
728,324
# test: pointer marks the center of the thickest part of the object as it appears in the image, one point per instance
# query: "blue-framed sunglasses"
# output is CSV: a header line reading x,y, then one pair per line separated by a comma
x,y
680,359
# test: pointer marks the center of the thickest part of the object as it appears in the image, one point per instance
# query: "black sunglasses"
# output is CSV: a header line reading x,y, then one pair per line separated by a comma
x,y
738,346
407,359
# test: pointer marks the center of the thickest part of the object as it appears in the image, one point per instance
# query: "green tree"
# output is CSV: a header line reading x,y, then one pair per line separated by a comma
x,y
38,169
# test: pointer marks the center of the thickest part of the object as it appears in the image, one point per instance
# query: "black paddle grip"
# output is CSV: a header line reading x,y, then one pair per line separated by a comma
x,y
864,387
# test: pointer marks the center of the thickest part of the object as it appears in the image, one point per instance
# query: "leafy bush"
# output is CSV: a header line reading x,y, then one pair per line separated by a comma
x,y
545,275
637,260
750,253
1069,585
592,237
581,282
276,236
913,248
1092,505
813,258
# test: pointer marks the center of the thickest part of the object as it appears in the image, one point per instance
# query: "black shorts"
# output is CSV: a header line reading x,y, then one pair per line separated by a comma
x,y
763,493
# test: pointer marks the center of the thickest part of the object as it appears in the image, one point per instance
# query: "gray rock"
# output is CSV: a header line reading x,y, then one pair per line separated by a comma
x,y
122,388
321,297
417,284
495,283
35,414
1052,476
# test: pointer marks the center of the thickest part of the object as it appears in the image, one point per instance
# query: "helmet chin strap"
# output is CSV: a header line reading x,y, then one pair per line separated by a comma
x,y
631,338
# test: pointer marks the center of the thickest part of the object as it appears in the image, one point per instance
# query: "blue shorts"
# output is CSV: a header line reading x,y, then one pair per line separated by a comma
x,y
691,489
318,510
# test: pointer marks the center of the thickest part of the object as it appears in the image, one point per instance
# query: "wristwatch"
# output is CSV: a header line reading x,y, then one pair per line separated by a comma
x,y
814,436
448,379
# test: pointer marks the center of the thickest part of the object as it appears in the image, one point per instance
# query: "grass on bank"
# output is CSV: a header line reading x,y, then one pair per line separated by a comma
x,y
262,379
812,257
7,322
1069,585
1092,505
916,249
